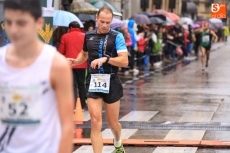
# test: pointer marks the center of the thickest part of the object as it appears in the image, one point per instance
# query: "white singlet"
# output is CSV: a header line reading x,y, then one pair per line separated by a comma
x,y
29,119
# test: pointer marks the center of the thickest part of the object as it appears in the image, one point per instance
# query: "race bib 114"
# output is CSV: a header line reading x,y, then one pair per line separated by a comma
x,y
99,83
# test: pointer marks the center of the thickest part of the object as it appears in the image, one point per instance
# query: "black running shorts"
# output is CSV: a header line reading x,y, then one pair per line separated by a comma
x,y
207,48
115,90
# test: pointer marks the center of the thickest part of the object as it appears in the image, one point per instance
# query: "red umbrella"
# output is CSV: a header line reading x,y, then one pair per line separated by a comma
x,y
159,11
173,16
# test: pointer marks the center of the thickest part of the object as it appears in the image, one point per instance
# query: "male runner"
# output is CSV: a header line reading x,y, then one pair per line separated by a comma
x,y
206,42
36,95
106,50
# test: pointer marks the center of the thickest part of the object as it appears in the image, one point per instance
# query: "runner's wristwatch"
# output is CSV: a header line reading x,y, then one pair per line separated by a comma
x,y
107,60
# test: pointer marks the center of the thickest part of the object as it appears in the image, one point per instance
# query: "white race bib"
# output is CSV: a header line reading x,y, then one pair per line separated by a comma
x,y
206,38
20,105
99,83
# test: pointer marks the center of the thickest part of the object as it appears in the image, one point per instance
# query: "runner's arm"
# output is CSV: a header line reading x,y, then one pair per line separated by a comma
x,y
61,81
214,34
199,30
122,59
81,58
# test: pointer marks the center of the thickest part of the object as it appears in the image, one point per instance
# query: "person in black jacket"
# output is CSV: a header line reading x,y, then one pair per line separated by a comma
x,y
197,43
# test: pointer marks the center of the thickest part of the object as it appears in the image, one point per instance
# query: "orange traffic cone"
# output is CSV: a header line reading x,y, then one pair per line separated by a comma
x,y
78,118
78,112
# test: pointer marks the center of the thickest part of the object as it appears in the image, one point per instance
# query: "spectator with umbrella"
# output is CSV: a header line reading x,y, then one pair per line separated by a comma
x,y
191,40
89,25
157,47
62,19
132,28
128,42
226,33
141,45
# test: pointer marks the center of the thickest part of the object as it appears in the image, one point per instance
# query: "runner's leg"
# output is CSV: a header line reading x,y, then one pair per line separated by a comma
x,y
95,110
207,57
112,114
203,50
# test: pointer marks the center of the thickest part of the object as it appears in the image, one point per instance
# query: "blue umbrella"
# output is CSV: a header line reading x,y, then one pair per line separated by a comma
x,y
100,4
64,18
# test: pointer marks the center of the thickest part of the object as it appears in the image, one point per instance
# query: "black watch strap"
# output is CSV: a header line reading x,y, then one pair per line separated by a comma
x,y
107,60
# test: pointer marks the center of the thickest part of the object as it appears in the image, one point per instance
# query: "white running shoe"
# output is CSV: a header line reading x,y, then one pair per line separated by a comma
x,y
135,71
126,73
203,69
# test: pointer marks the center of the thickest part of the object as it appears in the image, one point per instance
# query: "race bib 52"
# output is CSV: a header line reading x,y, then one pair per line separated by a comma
x,y
20,104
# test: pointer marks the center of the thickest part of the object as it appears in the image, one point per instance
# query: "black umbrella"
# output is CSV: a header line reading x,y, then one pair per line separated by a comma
x,y
161,16
155,20
148,14
201,19
86,17
141,19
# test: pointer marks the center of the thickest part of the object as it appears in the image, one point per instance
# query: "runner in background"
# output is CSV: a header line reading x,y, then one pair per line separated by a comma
x,y
206,42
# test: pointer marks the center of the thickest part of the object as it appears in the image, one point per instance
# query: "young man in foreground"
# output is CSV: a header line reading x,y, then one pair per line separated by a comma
x,y
36,95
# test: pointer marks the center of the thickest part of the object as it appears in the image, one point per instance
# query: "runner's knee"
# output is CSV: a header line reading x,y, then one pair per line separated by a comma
x,y
96,122
114,125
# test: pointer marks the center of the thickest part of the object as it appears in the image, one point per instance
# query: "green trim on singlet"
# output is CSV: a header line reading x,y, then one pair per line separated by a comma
x,y
205,43
86,74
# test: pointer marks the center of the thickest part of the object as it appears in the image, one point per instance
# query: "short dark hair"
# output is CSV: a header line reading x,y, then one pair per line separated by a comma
x,y
31,6
105,8
74,24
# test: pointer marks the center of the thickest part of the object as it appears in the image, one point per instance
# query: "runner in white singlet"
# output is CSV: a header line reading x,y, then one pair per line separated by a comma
x,y
36,105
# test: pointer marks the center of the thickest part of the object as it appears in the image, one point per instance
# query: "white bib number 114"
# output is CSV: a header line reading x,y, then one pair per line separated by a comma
x,y
99,83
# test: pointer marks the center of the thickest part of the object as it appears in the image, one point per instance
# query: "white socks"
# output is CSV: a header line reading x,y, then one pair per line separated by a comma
x,y
117,143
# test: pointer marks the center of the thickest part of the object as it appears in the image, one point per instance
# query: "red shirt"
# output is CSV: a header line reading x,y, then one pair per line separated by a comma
x,y
71,45
141,44
128,40
186,33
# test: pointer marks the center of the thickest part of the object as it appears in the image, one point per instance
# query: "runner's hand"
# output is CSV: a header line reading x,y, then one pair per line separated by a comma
x,y
71,61
97,63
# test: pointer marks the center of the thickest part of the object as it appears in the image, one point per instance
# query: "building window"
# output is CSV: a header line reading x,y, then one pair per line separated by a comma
x,y
157,4
196,2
